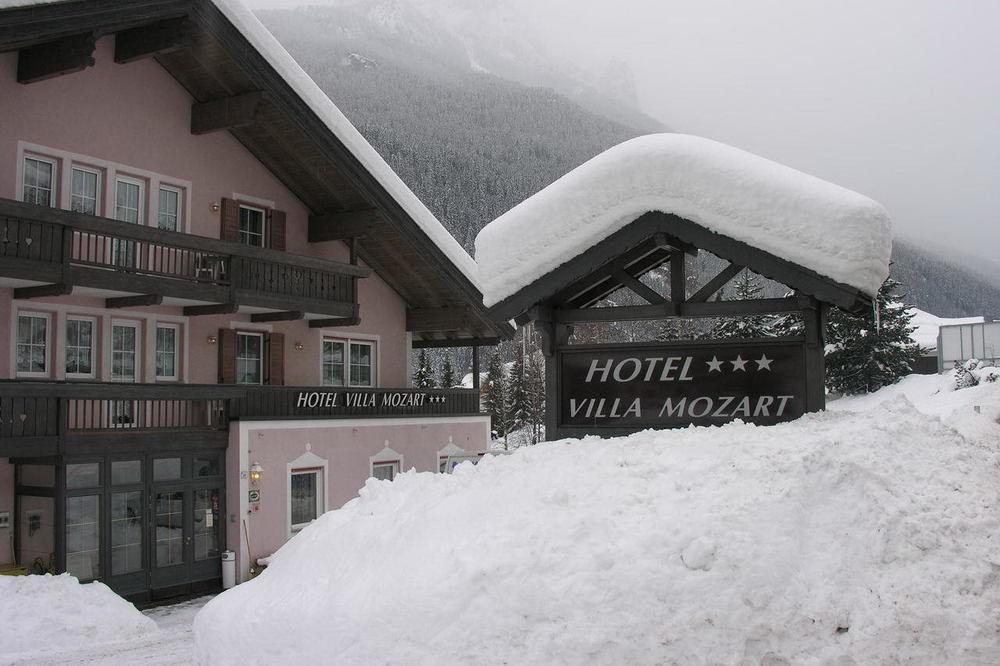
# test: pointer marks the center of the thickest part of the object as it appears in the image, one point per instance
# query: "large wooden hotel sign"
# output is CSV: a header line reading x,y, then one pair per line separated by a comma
x,y
663,386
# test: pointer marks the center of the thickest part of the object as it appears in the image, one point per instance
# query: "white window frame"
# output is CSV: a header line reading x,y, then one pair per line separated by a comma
x,y
319,473
131,180
177,344
261,359
347,342
263,224
137,327
374,364
53,186
97,192
94,337
340,341
386,456
396,465
179,222
47,316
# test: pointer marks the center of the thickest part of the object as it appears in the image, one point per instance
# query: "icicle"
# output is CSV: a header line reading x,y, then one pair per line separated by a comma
x,y
875,315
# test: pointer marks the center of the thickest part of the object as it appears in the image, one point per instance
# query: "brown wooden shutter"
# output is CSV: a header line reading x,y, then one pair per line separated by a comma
x,y
229,226
276,229
276,359
227,356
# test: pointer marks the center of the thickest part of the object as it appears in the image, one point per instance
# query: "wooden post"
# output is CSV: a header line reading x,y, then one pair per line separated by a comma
x,y
814,317
59,538
475,369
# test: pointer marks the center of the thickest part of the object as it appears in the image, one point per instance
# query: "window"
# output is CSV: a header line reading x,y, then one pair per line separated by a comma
x,y
306,496
124,351
39,182
83,195
169,213
166,351
206,523
32,345
252,226
126,532
333,363
249,358
386,471
128,200
79,347
362,363
83,536
83,475
340,370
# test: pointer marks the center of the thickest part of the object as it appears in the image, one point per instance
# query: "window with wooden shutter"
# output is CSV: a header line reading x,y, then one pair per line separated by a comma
x,y
227,356
276,359
229,228
276,229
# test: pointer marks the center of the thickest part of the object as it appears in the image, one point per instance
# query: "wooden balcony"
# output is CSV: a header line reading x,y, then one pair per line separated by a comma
x,y
48,251
39,418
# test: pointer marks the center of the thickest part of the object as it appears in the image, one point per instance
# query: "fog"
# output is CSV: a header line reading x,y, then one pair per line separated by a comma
x,y
897,99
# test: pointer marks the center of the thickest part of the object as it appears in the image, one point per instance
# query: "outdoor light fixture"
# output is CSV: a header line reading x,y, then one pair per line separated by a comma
x,y
256,472
212,339
299,346
215,207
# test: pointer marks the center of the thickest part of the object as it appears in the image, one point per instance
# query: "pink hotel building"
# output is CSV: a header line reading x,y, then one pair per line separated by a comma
x,y
210,288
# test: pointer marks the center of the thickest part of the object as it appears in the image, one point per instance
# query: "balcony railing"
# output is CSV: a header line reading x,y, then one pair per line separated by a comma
x,y
51,245
36,412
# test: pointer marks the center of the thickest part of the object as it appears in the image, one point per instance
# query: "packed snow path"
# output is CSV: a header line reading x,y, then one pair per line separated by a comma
x,y
172,645
844,537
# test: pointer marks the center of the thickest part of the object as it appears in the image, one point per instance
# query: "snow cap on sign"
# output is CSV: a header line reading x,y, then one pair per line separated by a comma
x,y
839,234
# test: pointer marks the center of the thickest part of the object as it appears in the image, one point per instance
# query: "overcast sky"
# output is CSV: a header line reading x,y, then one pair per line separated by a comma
x,y
897,99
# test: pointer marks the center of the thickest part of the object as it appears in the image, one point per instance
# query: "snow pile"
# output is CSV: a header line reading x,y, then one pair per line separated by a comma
x,y
927,325
843,537
833,231
50,614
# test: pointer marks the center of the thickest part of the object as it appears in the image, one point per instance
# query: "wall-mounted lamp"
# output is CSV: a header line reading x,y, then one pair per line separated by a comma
x,y
212,340
299,346
256,472
214,207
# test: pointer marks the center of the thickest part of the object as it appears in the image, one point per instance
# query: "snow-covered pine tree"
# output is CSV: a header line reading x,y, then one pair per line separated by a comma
x,y
747,288
517,389
424,376
785,325
447,373
494,390
963,377
534,396
863,357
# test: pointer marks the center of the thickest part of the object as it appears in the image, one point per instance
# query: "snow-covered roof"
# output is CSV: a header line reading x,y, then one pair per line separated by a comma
x,y
276,55
927,325
835,232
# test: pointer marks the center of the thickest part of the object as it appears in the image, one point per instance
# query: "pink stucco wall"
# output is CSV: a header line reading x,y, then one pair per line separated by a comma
x,y
347,447
137,116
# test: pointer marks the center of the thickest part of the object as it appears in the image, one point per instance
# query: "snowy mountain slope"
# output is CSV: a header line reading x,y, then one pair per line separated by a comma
x,y
858,536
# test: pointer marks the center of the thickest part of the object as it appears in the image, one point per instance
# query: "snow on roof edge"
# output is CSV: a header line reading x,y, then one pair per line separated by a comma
x,y
835,232
268,46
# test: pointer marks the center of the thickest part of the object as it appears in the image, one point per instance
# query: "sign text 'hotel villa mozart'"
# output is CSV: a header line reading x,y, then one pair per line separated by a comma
x,y
654,202
213,287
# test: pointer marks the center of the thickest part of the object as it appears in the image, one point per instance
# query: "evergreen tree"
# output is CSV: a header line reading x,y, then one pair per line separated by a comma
x,y
494,394
873,350
533,412
747,288
447,373
424,376
517,389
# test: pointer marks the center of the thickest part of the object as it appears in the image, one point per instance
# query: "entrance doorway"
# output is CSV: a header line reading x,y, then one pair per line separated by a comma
x,y
149,526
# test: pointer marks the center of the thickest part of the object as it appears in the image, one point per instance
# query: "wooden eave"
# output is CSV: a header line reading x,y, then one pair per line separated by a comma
x,y
582,281
287,137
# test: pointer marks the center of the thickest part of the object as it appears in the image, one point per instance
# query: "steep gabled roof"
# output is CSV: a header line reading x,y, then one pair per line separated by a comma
x,y
301,136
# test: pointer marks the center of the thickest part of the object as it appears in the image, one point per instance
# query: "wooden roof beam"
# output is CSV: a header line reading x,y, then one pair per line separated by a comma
x,y
62,56
716,283
344,225
225,113
155,39
43,290
133,301
214,309
289,315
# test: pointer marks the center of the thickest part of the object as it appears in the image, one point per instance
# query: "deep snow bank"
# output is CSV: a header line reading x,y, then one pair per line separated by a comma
x,y
866,535
831,230
42,615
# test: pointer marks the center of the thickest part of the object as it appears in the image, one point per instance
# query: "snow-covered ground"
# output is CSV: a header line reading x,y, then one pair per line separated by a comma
x,y
866,534
55,620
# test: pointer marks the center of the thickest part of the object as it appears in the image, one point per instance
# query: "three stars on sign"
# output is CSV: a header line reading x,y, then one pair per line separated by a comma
x,y
763,363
